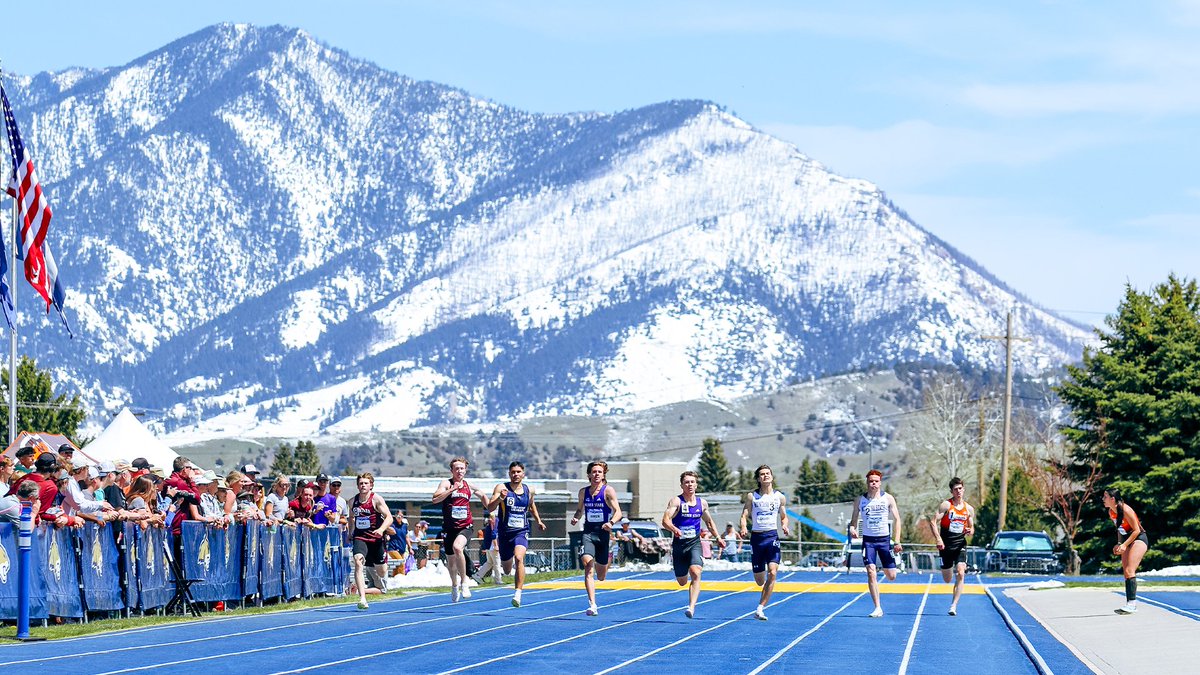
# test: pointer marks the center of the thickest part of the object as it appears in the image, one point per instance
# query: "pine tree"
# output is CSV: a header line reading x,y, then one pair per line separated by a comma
x,y
1135,405
1026,508
51,414
284,463
805,491
824,482
713,469
306,460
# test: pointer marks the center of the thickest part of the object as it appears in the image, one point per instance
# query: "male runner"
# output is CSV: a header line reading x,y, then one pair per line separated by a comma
x,y
598,505
515,500
765,509
956,521
455,497
878,534
369,519
683,517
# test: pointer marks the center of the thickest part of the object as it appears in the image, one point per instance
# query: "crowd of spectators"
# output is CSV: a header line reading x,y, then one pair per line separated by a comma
x,y
66,492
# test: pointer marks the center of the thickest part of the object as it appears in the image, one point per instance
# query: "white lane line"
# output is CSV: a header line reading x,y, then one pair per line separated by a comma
x,y
491,629
1170,607
1038,662
327,638
222,636
810,631
693,635
912,636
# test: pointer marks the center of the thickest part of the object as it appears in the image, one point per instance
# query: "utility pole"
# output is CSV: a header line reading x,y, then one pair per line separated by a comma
x,y
1008,338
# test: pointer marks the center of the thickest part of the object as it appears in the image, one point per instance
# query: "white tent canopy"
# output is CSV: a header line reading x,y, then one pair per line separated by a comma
x,y
126,438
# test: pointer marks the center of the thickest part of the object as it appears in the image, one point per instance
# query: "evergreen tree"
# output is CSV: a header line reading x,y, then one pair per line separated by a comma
x,y
1026,508
713,469
805,491
306,461
284,463
854,486
38,408
746,480
1135,406
824,482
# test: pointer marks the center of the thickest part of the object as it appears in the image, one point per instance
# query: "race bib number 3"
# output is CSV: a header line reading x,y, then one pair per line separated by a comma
x,y
459,512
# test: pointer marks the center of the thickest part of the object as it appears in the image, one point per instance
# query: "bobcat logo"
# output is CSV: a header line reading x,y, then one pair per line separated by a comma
x,y
5,565
229,532
329,550
55,557
204,554
97,554
294,549
268,560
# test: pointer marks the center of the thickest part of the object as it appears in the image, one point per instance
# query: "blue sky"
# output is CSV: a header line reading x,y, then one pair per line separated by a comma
x,y
1054,142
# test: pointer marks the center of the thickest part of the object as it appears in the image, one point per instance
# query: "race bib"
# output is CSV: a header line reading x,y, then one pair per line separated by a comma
x,y
687,532
596,516
956,527
1123,532
874,522
516,521
459,512
766,521
362,523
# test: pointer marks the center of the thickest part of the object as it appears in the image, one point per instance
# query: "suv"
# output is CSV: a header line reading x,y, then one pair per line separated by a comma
x,y
1019,551
655,542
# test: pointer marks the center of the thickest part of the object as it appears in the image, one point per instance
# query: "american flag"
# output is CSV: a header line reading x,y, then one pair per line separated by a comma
x,y
33,219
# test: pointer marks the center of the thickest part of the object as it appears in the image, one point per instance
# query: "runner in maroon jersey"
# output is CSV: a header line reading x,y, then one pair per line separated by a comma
x,y
370,517
455,497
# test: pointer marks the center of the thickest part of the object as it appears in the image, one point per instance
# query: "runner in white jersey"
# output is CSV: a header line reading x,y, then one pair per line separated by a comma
x,y
765,510
873,509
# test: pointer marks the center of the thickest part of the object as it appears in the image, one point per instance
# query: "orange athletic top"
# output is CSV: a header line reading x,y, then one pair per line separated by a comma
x,y
1124,527
955,515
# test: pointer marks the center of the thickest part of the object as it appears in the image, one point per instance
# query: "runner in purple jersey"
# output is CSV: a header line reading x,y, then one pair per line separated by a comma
x,y
683,517
514,500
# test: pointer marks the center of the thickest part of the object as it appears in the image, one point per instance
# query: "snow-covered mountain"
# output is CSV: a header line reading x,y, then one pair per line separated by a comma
x,y
263,235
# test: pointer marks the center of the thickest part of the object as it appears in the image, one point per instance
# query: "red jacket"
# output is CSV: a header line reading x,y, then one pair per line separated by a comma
x,y
47,491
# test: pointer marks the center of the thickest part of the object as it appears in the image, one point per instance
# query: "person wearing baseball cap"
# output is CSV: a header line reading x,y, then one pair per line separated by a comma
x,y
44,469
77,502
139,467
251,470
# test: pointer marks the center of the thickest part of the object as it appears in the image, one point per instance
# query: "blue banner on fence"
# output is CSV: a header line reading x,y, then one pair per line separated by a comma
x,y
251,556
271,567
215,556
60,570
155,586
9,589
129,564
318,560
100,568
292,565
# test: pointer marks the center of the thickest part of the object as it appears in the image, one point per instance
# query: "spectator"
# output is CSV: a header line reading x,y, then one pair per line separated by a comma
x,y
343,509
141,505
46,468
418,543
10,505
6,472
66,453
276,503
325,509
119,481
236,483
141,467
628,539
705,545
183,477
246,508
300,509
25,458
251,471
732,544
78,498
210,505
397,541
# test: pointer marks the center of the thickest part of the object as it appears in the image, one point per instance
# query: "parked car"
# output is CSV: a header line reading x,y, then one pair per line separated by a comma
x,y
1020,551
655,542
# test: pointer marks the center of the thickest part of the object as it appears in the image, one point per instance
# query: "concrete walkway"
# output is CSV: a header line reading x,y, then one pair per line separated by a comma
x,y
1153,640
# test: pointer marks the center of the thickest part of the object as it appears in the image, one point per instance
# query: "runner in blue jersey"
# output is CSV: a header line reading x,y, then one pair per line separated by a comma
x,y
515,502
764,509
879,539
683,517
599,508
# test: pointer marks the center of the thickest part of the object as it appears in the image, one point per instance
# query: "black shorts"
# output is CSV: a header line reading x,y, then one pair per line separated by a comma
x,y
595,544
685,554
448,537
953,555
372,551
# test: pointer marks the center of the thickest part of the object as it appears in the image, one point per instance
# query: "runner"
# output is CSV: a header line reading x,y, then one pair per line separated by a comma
x,y
515,500
1132,544
878,534
683,517
599,502
956,521
455,497
764,507
370,517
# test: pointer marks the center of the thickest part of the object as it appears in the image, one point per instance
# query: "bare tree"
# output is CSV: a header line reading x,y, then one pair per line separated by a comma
x,y
1066,486
951,436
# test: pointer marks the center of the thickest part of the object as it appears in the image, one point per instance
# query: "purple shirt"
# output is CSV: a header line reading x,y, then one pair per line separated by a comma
x,y
322,508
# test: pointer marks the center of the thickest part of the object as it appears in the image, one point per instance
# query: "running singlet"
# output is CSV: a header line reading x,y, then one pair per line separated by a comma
x,y
874,516
764,511
514,512
366,518
595,509
954,525
688,518
456,509
1124,527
